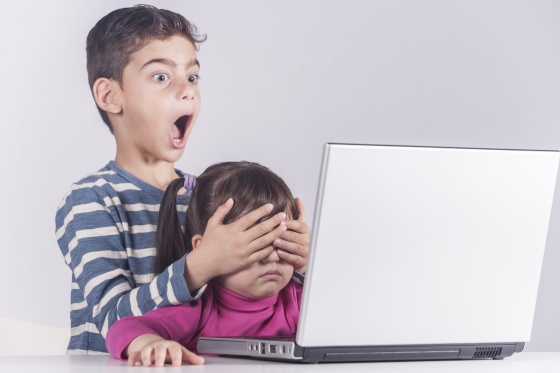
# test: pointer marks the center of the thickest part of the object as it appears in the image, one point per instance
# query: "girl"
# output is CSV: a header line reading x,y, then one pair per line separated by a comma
x,y
259,300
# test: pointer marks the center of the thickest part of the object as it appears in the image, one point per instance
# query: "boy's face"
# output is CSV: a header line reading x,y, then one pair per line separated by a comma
x,y
160,100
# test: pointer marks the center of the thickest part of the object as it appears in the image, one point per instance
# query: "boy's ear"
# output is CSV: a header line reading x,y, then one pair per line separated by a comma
x,y
196,240
105,93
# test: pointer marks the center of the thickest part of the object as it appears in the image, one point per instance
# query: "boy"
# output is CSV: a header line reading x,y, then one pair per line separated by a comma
x,y
143,72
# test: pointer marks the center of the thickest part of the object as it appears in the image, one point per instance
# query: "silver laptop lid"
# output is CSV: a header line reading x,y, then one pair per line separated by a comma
x,y
414,245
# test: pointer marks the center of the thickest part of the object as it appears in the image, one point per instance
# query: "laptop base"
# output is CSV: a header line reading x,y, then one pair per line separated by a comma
x,y
288,350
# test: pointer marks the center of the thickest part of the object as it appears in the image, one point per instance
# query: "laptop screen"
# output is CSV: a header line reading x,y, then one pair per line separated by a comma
x,y
418,245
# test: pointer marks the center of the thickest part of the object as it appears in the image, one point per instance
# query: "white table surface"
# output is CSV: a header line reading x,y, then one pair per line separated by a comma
x,y
523,362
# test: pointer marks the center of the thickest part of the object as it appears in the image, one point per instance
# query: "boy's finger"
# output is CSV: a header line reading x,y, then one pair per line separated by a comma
x,y
295,237
301,239
291,247
296,260
294,225
298,226
260,254
192,358
250,218
265,227
221,212
301,210
263,241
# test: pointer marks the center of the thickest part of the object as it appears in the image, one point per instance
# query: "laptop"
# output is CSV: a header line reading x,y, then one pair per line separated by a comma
x,y
418,253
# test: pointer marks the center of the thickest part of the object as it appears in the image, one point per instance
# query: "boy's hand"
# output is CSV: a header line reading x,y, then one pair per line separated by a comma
x,y
159,351
225,249
294,243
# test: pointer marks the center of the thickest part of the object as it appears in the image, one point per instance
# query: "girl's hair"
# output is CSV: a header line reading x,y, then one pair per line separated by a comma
x,y
251,185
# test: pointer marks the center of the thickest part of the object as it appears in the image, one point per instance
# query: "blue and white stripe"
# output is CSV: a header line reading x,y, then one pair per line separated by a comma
x,y
106,231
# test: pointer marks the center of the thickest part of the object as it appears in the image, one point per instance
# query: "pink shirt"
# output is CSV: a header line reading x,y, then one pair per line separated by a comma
x,y
218,313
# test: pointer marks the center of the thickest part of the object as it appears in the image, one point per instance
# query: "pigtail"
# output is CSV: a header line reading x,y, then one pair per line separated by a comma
x,y
170,241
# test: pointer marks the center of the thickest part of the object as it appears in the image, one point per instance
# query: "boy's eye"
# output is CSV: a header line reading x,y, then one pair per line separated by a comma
x,y
160,78
193,78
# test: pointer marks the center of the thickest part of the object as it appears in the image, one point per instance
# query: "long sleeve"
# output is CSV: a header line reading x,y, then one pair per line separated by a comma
x,y
99,248
177,323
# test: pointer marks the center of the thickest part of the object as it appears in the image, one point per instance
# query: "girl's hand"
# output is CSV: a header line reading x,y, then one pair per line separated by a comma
x,y
294,243
159,351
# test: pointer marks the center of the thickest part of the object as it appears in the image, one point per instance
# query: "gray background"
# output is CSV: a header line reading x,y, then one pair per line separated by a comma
x,y
279,78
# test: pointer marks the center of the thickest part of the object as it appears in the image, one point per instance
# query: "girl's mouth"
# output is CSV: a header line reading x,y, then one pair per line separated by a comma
x,y
272,274
178,131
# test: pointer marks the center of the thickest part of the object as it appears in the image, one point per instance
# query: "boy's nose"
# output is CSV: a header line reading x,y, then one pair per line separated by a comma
x,y
187,91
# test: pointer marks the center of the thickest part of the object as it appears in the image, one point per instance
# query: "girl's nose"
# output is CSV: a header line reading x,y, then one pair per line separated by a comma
x,y
272,257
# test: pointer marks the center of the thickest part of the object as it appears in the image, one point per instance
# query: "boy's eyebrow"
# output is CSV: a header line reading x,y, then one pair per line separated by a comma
x,y
171,63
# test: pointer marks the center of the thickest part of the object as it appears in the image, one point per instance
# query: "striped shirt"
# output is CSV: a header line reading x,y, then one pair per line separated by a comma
x,y
106,231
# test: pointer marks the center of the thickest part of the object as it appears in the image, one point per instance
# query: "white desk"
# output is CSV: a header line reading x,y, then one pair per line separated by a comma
x,y
523,362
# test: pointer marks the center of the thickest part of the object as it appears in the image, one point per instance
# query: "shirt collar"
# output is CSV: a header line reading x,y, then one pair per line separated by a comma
x,y
229,299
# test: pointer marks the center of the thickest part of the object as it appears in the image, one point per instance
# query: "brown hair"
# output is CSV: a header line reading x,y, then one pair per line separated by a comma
x,y
114,38
251,185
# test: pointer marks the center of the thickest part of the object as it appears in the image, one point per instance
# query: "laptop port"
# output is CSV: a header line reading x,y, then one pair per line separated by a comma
x,y
262,348
273,348
282,349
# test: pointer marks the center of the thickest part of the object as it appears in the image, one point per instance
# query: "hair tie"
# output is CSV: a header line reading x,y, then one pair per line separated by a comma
x,y
190,182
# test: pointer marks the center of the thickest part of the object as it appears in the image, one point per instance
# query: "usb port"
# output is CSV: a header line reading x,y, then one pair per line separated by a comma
x,y
262,348
273,348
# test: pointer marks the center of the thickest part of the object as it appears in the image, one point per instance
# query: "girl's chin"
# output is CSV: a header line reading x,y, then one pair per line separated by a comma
x,y
260,293
268,290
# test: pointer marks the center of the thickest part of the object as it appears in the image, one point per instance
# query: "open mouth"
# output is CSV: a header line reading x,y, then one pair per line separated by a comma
x,y
178,131
179,128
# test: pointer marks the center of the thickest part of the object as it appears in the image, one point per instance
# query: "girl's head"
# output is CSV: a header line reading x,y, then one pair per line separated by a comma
x,y
250,185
